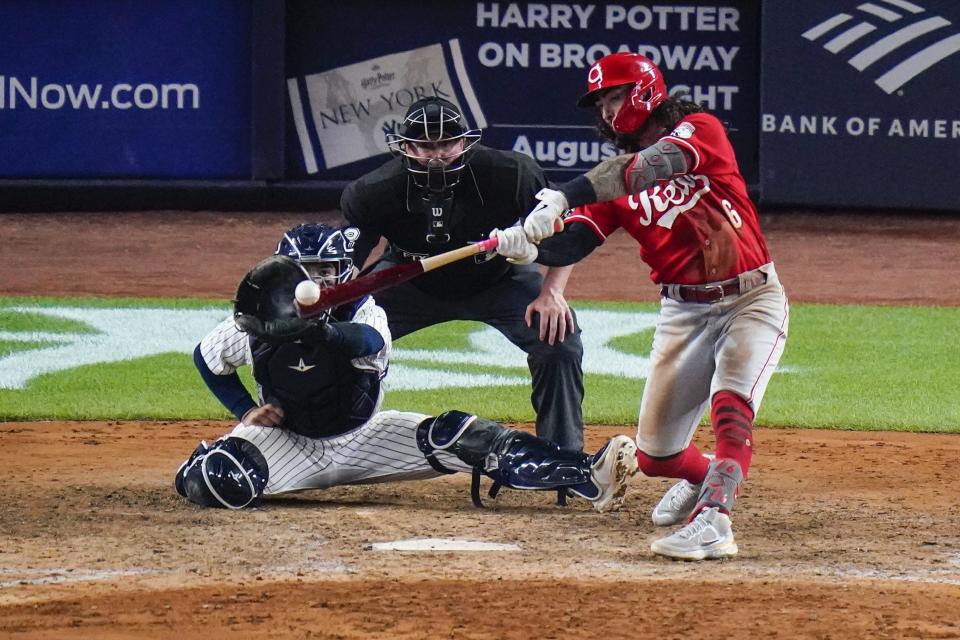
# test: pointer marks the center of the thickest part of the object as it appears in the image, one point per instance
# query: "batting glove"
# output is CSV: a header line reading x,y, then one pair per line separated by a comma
x,y
513,245
539,223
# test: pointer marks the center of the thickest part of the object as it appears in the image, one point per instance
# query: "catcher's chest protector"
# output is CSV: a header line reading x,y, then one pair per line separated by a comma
x,y
322,394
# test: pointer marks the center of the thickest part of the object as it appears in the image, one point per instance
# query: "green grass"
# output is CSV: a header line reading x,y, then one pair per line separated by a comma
x,y
863,367
850,367
160,387
20,321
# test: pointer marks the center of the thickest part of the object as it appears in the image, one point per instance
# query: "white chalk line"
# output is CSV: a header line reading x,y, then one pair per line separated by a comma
x,y
61,576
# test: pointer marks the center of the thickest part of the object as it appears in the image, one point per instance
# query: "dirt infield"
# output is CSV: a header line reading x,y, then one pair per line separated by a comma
x,y
842,534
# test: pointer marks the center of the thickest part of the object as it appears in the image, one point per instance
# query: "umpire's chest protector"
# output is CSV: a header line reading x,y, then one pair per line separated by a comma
x,y
321,393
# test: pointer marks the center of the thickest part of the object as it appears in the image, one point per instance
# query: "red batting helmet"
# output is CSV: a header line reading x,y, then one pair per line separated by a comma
x,y
618,69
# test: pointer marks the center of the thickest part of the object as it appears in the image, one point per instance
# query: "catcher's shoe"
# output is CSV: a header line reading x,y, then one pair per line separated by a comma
x,y
708,536
611,471
677,503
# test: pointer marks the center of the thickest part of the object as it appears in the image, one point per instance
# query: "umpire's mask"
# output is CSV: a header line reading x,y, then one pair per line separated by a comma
x,y
435,144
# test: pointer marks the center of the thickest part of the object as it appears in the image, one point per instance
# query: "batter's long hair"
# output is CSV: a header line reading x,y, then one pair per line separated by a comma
x,y
667,115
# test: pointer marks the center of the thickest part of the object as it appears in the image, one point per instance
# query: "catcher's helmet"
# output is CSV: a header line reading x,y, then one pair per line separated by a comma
x,y
325,252
618,69
434,142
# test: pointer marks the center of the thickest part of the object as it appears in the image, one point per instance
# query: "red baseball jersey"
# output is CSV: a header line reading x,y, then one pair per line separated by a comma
x,y
697,227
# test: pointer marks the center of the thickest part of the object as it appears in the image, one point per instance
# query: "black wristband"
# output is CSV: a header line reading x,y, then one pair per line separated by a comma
x,y
579,192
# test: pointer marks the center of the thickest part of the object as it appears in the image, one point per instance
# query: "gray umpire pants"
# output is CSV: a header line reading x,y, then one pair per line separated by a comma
x,y
556,370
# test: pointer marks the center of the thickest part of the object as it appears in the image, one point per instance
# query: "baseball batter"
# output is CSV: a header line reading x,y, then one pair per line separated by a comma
x,y
318,421
723,320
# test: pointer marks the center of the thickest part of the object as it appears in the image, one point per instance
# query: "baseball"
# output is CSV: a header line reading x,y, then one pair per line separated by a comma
x,y
307,293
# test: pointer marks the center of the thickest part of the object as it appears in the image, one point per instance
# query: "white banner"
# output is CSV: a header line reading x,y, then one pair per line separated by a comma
x,y
352,108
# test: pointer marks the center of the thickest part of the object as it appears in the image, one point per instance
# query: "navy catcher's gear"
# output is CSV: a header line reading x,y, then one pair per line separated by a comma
x,y
201,449
321,392
318,244
511,458
264,304
325,253
232,474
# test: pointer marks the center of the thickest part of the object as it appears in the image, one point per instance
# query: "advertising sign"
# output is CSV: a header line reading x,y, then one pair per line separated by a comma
x,y
121,88
516,69
354,106
859,103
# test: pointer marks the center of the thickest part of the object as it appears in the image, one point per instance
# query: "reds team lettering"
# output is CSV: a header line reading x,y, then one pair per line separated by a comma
x,y
667,201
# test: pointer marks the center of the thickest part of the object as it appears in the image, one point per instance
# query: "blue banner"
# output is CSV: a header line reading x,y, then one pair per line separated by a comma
x,y
859,103
123,88
515,68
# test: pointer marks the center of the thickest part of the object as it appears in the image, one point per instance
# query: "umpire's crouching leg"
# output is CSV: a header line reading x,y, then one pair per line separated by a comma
x,y
557,374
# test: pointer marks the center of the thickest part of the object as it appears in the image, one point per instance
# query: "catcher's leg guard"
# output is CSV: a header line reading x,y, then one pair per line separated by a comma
x,y
232,473
511,458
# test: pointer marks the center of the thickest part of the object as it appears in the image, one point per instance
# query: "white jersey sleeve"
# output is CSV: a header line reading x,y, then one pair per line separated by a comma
x,y
373,315
226,348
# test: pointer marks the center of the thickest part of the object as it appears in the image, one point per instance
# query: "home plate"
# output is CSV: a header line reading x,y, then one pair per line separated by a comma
x,y
442,544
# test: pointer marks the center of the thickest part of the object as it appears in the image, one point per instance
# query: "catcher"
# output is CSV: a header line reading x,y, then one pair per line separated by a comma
x,y
318,423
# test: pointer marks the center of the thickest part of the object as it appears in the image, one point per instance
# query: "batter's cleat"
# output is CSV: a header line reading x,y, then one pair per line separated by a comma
x,y
676,505
612,468
708,536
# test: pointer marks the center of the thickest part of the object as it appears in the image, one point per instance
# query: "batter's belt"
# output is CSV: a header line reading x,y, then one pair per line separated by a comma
x,y
711,292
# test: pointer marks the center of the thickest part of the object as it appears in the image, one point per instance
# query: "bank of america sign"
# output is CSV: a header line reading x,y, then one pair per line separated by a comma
x,y
898,56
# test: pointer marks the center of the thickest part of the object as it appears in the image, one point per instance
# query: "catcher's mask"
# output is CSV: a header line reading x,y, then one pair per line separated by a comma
x,y
326,253
619,69
434,142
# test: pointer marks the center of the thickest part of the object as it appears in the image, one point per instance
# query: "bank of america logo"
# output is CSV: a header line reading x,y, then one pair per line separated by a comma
x,y
906,22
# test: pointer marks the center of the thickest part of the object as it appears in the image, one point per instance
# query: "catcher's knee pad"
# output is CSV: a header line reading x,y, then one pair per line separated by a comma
x,y
232,473
465,435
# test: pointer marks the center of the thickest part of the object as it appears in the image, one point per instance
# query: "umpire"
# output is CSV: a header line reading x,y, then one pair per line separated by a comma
x,y
441,191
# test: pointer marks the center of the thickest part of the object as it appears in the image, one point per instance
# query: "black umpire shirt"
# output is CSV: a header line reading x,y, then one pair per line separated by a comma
x,y
495,190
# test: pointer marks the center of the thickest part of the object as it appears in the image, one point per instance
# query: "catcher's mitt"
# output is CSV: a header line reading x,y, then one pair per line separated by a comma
x,y
264,304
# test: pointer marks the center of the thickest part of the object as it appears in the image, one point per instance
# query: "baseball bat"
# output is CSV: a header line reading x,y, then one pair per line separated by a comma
x,y
371,283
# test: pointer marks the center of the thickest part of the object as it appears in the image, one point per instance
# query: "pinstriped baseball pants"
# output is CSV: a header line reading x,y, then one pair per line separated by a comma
x,y
384,449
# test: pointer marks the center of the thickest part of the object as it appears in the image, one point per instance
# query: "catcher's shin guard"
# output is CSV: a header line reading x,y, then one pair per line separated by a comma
x,y
232,473
511,458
